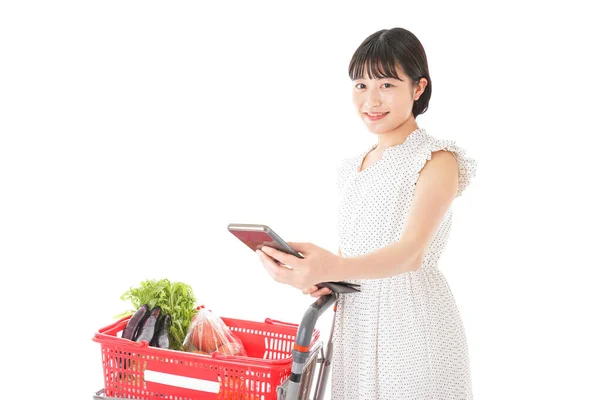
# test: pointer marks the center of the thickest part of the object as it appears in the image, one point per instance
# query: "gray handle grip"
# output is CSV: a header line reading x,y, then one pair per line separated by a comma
x,y
301,350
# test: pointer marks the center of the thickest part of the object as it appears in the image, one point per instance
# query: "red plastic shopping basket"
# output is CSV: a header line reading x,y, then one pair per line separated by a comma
x,y
136,370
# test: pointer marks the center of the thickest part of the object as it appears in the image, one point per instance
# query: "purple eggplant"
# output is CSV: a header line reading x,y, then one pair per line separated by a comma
x,y
135,320
148,326
161,334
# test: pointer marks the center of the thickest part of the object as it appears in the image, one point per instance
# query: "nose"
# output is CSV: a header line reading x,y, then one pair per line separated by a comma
x,y
372,99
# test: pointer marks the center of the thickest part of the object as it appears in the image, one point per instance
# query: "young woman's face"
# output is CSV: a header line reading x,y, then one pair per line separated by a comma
x,y
385,104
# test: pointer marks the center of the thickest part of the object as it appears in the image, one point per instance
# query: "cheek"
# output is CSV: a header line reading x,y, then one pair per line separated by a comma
x,y
356,99
399,101
357,102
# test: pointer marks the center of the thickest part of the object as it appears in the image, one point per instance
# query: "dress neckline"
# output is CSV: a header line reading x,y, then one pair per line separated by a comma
x,y
362,156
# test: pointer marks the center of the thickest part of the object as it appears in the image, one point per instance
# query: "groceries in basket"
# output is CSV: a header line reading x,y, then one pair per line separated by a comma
x,y
163,311
149,325
208,333
226,353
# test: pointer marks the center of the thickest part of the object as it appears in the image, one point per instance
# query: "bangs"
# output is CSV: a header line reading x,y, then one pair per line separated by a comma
x,y
376,58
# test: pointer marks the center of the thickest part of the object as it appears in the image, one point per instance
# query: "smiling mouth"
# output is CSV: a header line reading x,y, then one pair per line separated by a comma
x,y
376,116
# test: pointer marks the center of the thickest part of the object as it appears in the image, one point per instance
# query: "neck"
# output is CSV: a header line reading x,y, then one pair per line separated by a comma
x,y
398,135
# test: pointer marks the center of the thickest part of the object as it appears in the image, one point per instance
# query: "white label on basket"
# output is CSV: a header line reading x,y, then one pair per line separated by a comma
x,y
182,381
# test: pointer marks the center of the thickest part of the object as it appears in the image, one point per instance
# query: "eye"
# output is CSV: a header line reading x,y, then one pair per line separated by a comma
x,y
358,85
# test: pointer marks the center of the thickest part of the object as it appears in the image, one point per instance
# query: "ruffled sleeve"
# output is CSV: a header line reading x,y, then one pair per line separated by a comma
x,y
467,167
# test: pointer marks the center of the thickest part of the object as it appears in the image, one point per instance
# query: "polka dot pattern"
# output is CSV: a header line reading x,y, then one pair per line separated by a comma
x,y
401,337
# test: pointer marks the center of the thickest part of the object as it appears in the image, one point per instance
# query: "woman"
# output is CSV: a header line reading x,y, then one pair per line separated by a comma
x,y
402,336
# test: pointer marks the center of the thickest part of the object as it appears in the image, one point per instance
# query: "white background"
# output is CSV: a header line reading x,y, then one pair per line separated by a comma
x,y
132,133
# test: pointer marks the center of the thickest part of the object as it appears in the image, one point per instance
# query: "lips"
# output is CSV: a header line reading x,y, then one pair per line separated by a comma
x,y
376,116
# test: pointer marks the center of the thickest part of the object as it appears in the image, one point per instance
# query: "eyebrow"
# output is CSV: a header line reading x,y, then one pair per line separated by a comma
x,y
380,79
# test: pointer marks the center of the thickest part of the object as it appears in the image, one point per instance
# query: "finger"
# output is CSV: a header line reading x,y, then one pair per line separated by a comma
x,y
321,292
267,265
266,262
278,272
310,289
299,246
264,257
270,271
285,258
267,257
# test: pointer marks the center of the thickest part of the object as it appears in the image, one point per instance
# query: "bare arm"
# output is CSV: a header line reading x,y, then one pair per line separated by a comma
x,y
436,188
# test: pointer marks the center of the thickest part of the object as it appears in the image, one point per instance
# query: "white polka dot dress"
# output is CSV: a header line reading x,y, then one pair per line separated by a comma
x,y
401,337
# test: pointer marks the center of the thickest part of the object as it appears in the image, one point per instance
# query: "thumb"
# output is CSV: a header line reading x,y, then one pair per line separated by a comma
x,y
300,246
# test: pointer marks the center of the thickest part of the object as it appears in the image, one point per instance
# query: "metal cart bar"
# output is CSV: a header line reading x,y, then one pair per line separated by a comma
x,y
301,351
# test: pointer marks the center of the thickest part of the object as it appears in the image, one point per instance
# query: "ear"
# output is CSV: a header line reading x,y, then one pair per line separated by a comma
x,y
420,88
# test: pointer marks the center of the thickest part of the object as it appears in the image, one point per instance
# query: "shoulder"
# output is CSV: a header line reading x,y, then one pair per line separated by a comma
x,y
429,143
445,158
441,159
440,173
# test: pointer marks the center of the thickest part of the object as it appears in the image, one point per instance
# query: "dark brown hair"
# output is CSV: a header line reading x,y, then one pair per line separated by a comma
x,y
382,51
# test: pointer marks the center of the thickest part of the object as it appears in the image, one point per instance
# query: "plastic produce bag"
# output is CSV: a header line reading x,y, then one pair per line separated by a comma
x,y
208,333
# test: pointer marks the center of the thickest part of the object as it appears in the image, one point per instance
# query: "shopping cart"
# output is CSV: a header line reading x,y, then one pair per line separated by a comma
x,y
281,363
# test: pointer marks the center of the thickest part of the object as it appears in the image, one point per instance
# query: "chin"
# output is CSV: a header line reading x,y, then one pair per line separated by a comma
x,y
378,129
